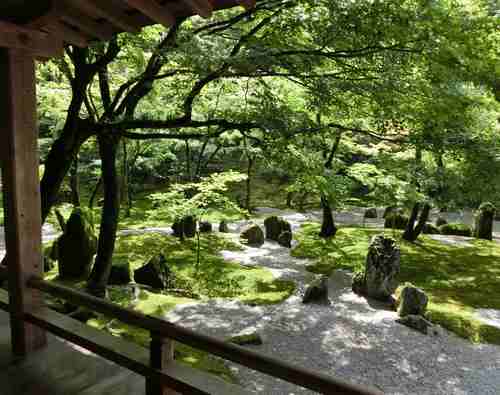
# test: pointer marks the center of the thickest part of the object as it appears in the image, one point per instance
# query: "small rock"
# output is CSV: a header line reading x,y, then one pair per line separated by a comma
x,y
247,339
358,284
205,227
223,227
285,239
417,322
371,213
253,236
155,273
317,292
119,274
412,301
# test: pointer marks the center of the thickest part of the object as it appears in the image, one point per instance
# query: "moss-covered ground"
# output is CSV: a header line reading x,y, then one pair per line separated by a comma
x,y
457,278
212,277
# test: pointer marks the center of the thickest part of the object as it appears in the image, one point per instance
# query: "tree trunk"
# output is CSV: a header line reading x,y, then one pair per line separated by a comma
x,y
248,198
95,192
412,232
289,198
108,147
75,183
408,233
424,216
125,187
188,160
328,228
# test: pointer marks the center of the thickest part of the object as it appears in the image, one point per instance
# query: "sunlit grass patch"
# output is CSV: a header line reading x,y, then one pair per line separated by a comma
x,y
457,278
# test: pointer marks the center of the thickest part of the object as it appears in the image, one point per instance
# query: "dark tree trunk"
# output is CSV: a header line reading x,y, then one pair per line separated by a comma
x,y
412,232
188,160
60,220
108,147
95,192
75,183
248,198
289,198
125,187
328,228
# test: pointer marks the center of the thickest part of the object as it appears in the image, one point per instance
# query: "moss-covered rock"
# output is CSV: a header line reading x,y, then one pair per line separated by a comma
x,y
483,228
156,273
412,301
430,229
120,273
223,227
205,227
441,221
247,339
317,291
285,239
252,236
371,213
77,245
456,229
416,322
185,227
275,226
396,220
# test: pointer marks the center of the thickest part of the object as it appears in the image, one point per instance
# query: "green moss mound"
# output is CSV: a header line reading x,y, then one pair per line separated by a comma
x,y
457,279
456,229
396,220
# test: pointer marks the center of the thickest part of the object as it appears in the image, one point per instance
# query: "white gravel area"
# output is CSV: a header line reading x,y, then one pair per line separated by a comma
x,y
352,338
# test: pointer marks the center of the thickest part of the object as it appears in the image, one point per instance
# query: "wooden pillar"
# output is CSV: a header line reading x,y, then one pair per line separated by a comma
x,y
161,353
21,189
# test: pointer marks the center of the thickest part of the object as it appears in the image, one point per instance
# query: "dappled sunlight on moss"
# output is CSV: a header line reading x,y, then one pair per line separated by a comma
x,y
458,278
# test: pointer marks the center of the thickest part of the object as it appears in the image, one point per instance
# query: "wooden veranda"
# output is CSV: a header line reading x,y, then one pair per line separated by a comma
x,y
33,29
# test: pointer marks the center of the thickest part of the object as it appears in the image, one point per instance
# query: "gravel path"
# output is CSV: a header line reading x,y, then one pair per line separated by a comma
x,y
353,338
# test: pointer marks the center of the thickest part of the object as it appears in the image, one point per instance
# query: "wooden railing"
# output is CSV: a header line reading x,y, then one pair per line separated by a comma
x,y
163,374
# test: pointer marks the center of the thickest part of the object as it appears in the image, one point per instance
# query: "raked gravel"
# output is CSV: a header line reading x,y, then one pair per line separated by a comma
x,y
353,338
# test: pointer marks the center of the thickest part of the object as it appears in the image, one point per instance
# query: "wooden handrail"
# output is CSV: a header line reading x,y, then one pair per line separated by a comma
x,y
303,377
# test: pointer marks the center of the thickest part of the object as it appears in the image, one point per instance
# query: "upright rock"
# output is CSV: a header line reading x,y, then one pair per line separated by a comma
x,y
379,280
185,227
76,246
484,221
275,226
371,213
317,292
412,301
120,273
205,227
285,239
223,227
252,236
155,273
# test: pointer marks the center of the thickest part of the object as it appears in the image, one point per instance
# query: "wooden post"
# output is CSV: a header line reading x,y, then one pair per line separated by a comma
x,y
161,353
21,189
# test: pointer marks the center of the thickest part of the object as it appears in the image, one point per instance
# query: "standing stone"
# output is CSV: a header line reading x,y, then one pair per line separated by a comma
x,y
155,273
317,292
484,221
416,322
205,227
379,280
285,239
185,227
252,236
412,301
371,213
275,226
223,227
119,274
76,246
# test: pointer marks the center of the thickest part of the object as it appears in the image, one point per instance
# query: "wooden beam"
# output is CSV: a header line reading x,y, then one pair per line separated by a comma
x,y
204,8
104,10
161,354
86,24
51,24
30,40
248,4
21,189
153,10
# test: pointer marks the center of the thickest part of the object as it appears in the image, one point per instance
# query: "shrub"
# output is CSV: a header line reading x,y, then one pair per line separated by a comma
x,y
396,221
456,229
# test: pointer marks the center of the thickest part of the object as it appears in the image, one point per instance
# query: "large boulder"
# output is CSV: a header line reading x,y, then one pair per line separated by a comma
x,y
205,227
185,227
380,277
418,323
276,226
371,213
155,273
285,239
412,301
253,236
317,291
483,228
76,246
120,273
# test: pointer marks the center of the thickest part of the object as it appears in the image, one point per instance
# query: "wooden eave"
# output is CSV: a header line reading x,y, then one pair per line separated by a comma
x,y
45,26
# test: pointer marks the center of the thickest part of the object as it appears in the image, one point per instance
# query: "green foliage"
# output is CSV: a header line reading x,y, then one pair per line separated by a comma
x,y
396,220
456,229
457,278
